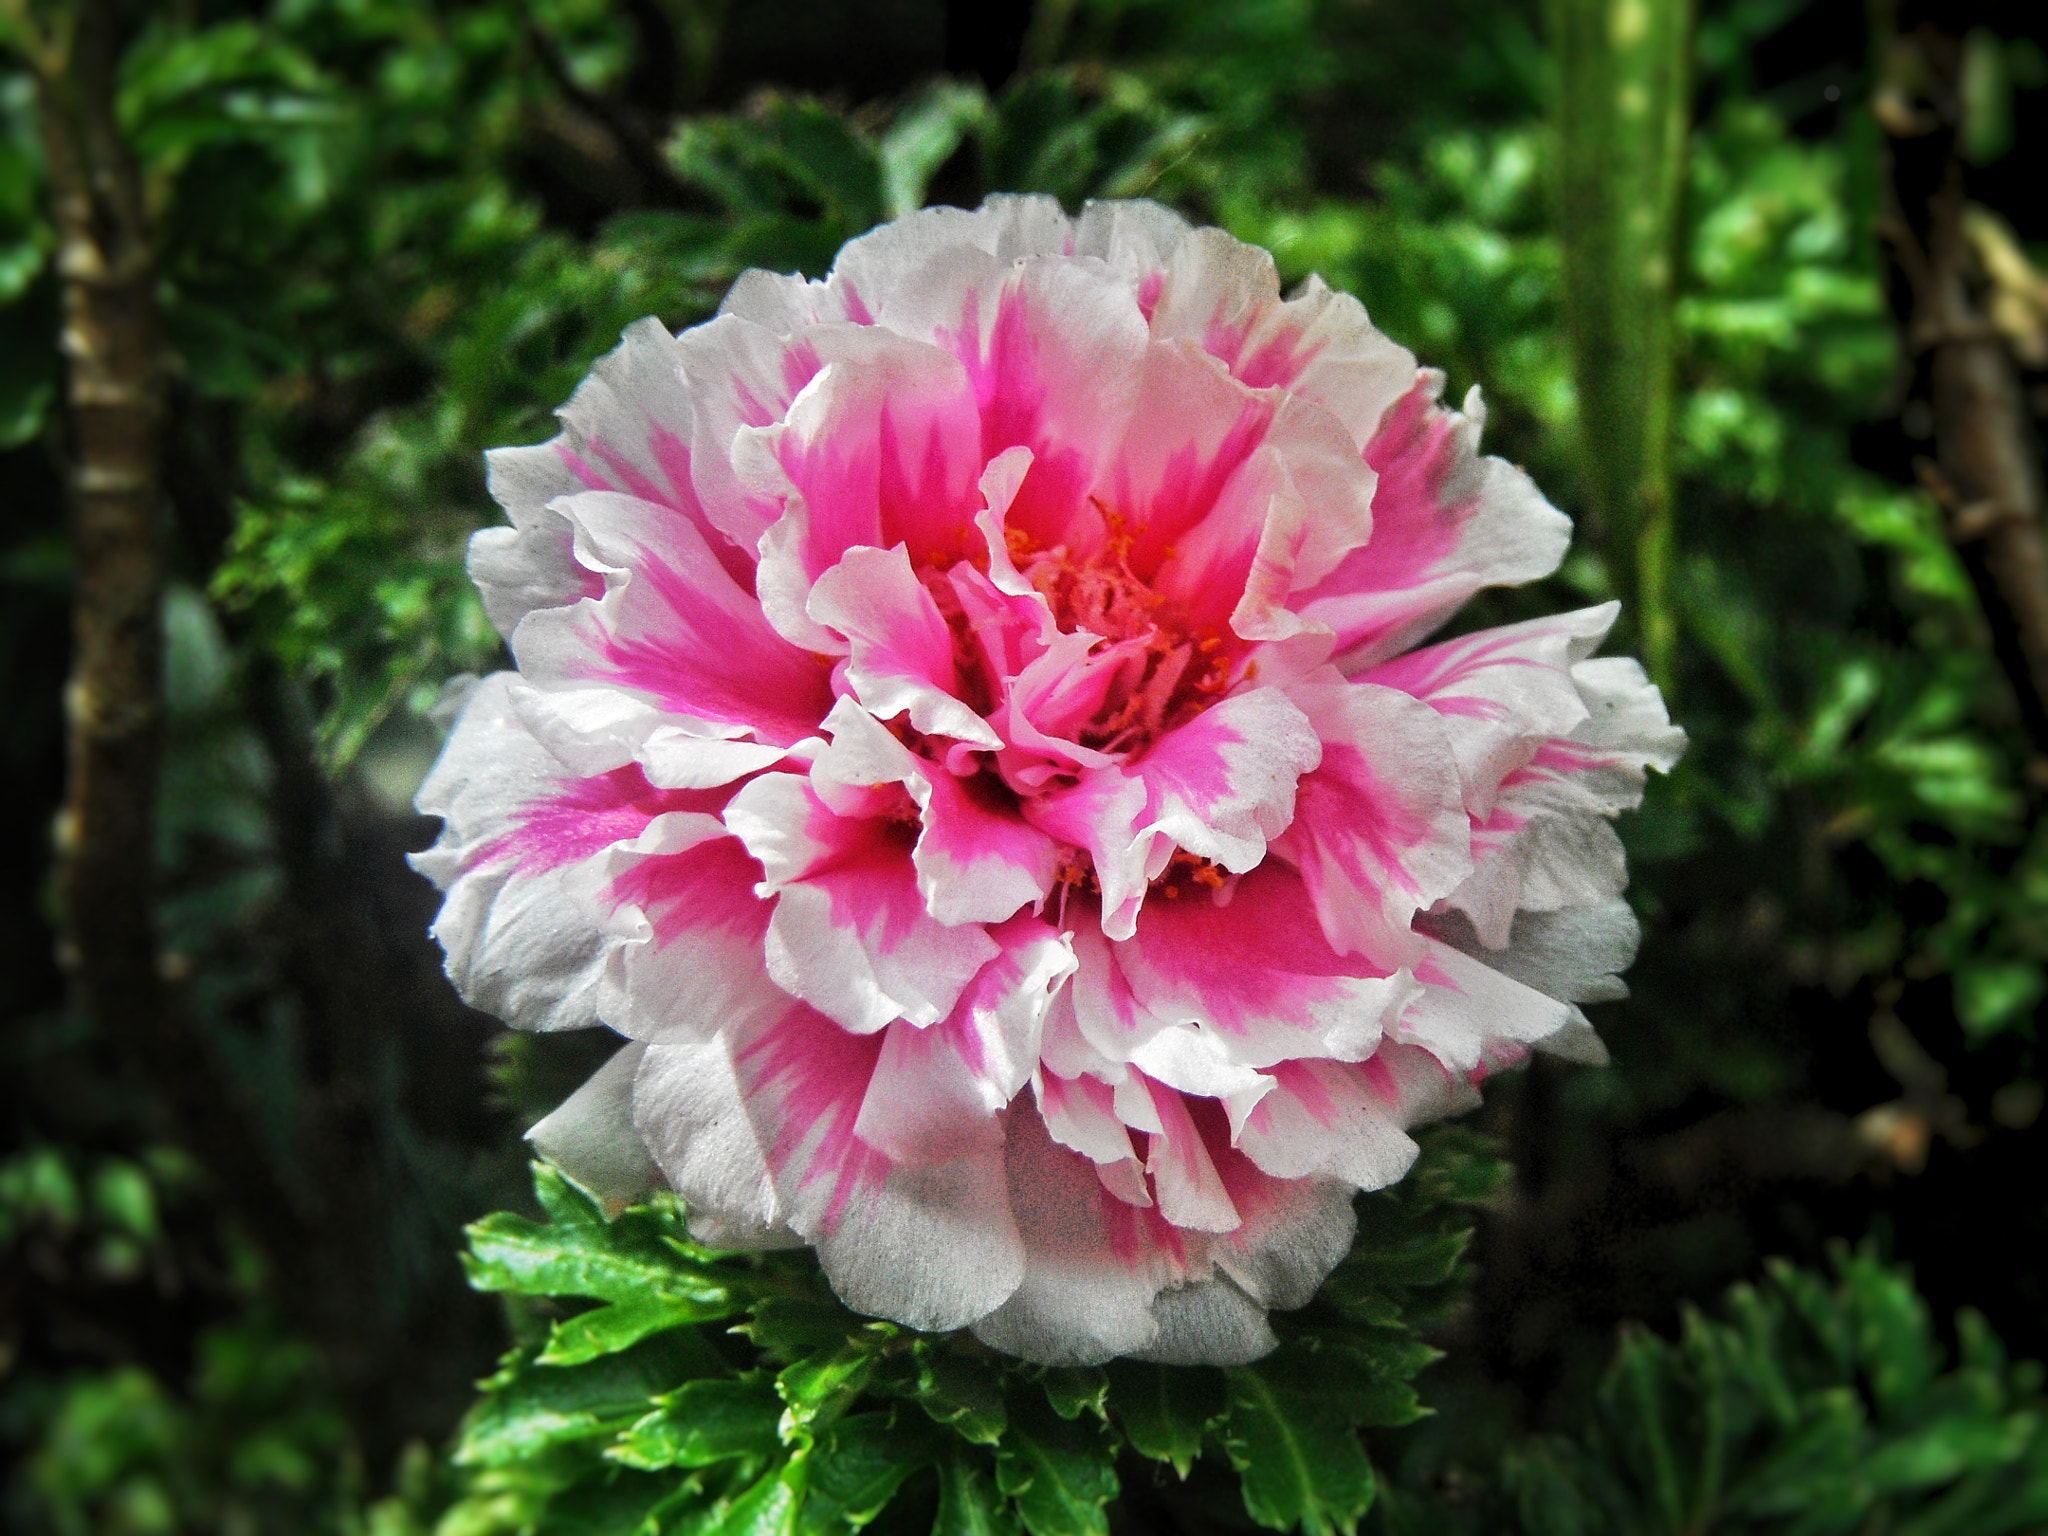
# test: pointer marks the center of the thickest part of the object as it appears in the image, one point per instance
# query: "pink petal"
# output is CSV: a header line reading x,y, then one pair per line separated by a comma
x,y
1223,784
1501,692
1465,1009
740,374
1055,350
1546,843
674,629
850,934
691,961
1318,345
1379,829
1329,1119
1087,1290
977,859
882,447
936,1091
1258,971
1199,427
1186,1184
901,651
933,1245
525,924
627,428
1445,524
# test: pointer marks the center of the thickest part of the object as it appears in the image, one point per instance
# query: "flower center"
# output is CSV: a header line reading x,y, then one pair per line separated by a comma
x,y
1166,673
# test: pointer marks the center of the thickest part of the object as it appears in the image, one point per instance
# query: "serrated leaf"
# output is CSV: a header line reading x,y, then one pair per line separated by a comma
x,y
1300,1462
821,1385
769,1508
963,1394
856,1470
1076,1389
1058,1472
541,1406
1165,1410
794,1326
565,1202
1423,1258
608,1506
510,1253
607,1330
702,1423
970,1504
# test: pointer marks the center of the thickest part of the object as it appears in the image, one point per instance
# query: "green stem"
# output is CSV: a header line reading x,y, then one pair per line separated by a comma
x,y
1623,116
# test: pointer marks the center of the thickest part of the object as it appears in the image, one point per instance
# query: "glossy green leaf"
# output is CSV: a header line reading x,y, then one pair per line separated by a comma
x,y
1165,1411
970,1503
704,1422
962,1393
1059,1473
1301,1463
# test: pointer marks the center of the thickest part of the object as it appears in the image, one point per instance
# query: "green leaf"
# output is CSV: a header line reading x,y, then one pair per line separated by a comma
x,y
860,1464
1422,1258
704,1422
960,1392
821,1386
1165,1410
1076,1389
769,1508
607,1330
580,1253
538,1407
1058,1472
1300,1460
923,137
970,1504
793,1326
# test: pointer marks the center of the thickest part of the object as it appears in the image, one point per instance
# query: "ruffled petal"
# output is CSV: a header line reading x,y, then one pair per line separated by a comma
x,y
1446,523
1380,829
977,860
1502,692
590,1135
936,1091
1085,1296
900,651
1257,971
1330,1119
672,629
930,1245
1547,842
627,428
850,933
1056,352
689,961
1318,345
882,447
526,923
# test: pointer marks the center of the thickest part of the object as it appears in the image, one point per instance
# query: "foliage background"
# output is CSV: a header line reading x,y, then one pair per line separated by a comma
x,y
392,234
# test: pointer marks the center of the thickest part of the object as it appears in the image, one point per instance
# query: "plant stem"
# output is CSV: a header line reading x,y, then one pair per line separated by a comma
x,y
1623,113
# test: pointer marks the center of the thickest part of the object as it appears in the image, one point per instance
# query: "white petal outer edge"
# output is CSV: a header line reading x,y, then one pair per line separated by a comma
x,y
530,564
529,948
936,1250
692,1115
590,1135
1208,1322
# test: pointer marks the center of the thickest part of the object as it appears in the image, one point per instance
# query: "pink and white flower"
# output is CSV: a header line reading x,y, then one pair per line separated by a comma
x,y
968,738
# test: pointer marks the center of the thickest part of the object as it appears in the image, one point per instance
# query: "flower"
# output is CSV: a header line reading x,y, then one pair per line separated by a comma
x,y
967,737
